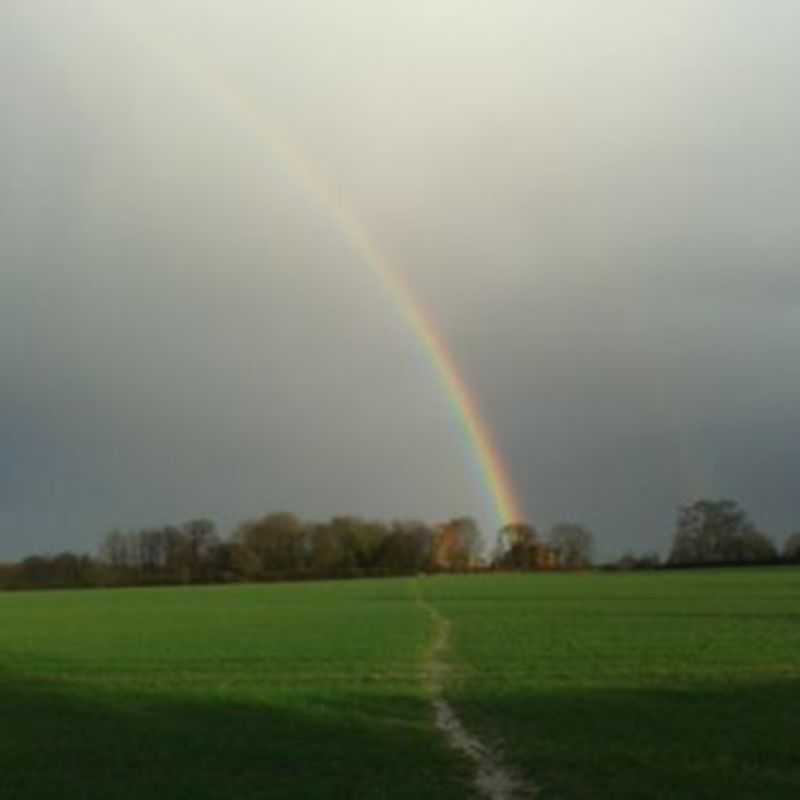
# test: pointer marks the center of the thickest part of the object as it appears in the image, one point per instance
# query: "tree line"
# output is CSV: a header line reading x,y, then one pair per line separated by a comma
x,y
282,546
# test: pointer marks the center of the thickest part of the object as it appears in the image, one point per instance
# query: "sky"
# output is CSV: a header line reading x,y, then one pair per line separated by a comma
x,y
596,204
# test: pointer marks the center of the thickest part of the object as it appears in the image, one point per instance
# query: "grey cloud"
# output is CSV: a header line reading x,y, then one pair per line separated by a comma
x,y
596,202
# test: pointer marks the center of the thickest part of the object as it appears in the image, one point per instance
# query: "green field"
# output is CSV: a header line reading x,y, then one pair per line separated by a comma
x,y
644,685
667,685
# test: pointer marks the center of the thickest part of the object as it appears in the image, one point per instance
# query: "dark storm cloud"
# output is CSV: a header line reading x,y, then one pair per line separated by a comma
x,y
597,202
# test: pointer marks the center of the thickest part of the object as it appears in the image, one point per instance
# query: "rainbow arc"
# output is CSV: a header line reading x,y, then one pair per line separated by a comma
x,y
495,473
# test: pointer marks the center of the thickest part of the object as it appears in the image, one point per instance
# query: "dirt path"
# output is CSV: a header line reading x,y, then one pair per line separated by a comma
x,y
493,780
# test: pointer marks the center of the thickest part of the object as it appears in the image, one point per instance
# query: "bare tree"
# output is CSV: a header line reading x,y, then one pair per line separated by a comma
x,y
457,544
791,547
201,538
518,546
718,531
277,542
573,543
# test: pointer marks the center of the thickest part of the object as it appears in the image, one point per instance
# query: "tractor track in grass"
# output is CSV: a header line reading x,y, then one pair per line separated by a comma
x,y
493,779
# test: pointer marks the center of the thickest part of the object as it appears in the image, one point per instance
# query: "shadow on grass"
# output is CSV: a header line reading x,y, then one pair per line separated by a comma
x,y
64,740
742,741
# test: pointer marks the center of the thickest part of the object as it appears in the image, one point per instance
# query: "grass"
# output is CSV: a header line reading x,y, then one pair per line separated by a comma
x,y
291,691
669,685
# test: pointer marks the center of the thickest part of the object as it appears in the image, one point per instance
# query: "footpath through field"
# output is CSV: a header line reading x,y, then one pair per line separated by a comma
x,y
493,779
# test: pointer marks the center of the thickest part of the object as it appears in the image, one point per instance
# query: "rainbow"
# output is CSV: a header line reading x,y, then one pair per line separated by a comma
x,y
492,467
494,472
